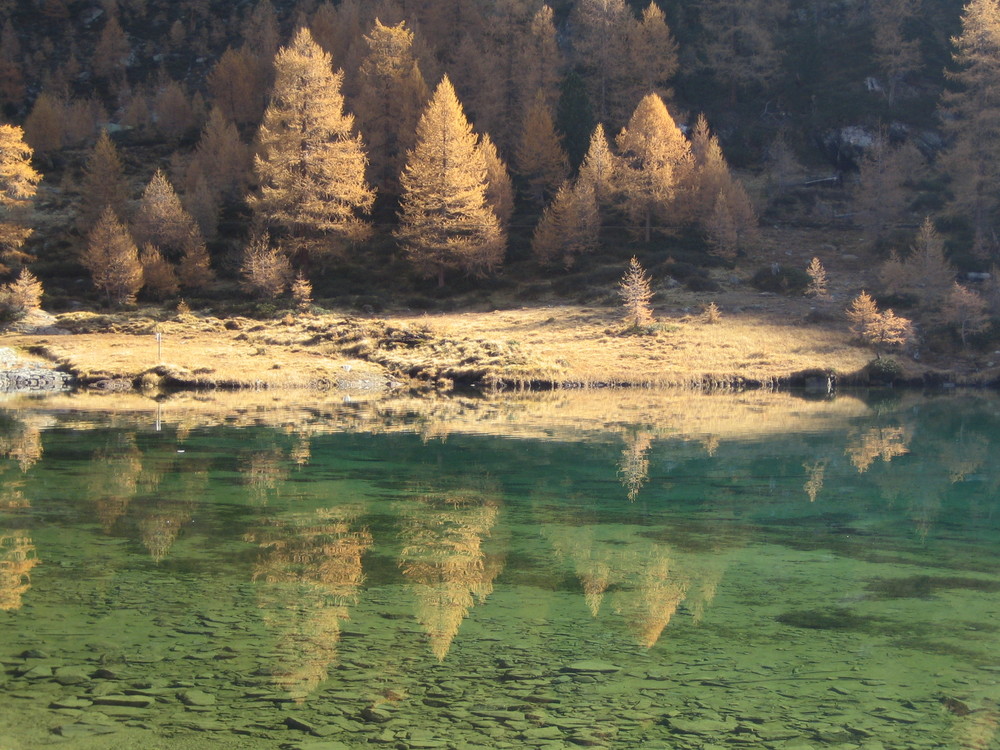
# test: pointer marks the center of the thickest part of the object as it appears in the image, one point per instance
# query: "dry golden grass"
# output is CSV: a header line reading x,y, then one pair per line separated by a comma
x,y
192,357
553,346
585,346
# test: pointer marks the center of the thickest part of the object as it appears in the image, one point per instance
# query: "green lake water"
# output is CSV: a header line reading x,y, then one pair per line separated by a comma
x,y
737,571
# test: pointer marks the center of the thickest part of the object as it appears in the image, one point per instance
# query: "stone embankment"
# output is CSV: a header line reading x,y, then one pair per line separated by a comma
x,y
17,376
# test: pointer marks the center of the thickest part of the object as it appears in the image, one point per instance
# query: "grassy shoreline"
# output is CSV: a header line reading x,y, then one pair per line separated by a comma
x,y
545,347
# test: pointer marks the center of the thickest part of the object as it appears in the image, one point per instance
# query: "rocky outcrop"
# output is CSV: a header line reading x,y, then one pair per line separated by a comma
x,y
19,377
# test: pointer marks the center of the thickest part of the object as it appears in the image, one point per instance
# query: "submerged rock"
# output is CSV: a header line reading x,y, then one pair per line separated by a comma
x,y
72,675
196,698
127,701
701,726
591,667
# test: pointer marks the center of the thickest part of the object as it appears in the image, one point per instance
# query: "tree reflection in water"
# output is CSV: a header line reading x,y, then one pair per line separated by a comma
x,y
309,574
446,559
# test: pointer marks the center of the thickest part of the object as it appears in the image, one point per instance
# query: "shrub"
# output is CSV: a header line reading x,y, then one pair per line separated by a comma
x,y
883,370
702,284
781,280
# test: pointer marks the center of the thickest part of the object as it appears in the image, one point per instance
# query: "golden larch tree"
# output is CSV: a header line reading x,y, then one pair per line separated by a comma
x,y
973,160
161,220
732,227
569,226
966,310
113,260
817,280
23,294
602,53
45,125
878,329
223,159
199,201
598,168
158,275
391,95
339,29
499,188
477,74
710,174
232,84
493,85
738,45
445,220
656,160
18,185
11,67
112,53
173,112
540,60
862,313
103,182
926,273
265,269
896,54
654,54
880,198
310,164
540,159
635,289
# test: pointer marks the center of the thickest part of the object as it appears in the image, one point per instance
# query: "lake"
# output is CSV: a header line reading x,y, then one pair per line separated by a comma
x,y
573,569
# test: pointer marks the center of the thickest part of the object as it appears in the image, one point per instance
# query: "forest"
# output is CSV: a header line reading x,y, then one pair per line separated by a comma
x,y
260,157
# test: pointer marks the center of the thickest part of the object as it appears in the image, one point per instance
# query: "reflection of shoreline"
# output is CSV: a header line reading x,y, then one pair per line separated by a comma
x,y
557,415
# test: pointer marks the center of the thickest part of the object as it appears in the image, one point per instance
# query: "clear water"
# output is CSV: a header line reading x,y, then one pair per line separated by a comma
x,y
593,570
